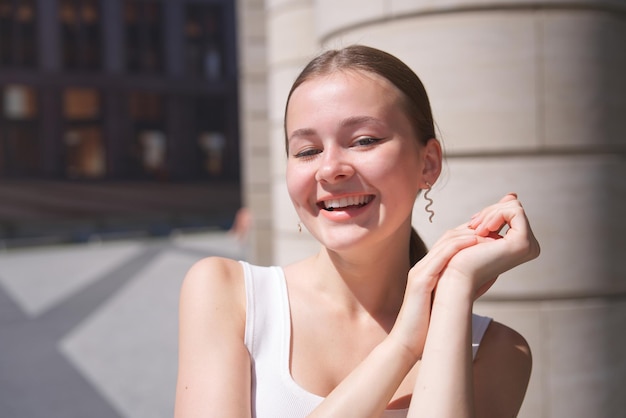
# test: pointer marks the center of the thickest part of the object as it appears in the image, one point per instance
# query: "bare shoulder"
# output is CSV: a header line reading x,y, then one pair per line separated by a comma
x,y
213,366
212,279
501,372
217,268
214,290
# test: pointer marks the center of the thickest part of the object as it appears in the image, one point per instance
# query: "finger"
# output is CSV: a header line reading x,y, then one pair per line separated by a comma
x,y
495,221
497,216
428,269
444,249
481,214
508,197
518,242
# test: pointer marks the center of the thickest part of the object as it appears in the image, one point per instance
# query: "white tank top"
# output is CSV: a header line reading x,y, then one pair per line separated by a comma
x,y
267,336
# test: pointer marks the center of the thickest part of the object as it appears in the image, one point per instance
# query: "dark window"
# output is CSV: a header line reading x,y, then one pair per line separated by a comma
x,y
19,128
211,142
81,34
143,20
18,33
82,137
148,146
204,50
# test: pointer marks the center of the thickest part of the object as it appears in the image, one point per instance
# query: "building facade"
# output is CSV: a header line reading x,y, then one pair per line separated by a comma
x,y
529,96
118,90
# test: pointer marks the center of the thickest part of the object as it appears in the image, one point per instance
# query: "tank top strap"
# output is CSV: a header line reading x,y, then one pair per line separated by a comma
x,y
267,311
479,326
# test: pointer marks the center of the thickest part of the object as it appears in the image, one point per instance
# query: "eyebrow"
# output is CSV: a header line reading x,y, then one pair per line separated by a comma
x,y
351,121
301,132
358,120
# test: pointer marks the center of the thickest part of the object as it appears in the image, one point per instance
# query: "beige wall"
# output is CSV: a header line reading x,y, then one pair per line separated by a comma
x,y
528,97
255,149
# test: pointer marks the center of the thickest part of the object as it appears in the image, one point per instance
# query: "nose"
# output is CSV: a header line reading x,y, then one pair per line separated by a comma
x,y
334,167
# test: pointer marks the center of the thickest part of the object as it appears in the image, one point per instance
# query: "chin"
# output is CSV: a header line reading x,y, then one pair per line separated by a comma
x,y
344,240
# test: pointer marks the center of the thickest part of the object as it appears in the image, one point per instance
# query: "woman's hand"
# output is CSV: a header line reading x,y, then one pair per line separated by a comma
x,y
505,240
411,325
445,383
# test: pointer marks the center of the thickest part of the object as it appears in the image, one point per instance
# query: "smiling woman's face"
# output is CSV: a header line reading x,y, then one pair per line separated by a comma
x,y
354,165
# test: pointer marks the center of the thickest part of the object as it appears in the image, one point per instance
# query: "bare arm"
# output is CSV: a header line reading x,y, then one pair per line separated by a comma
x,y
445,384
451,384
501,372
214,365
461,266
366,392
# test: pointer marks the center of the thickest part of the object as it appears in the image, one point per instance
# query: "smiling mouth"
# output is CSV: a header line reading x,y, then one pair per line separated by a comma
x,y
346,202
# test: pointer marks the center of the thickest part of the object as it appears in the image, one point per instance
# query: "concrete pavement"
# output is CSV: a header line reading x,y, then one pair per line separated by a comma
x,y
89,331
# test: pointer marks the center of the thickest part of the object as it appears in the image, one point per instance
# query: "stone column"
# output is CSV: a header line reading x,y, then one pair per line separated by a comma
x,y
291,44
253,116
528,97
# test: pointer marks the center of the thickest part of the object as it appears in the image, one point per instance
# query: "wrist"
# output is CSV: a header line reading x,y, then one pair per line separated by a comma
x,y
455,286
401,350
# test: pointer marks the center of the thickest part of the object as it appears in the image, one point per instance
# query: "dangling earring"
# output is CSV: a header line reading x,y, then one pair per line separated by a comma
x,y
299,228
429,204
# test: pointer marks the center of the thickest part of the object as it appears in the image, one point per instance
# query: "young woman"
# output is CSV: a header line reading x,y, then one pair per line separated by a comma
x,y
372,325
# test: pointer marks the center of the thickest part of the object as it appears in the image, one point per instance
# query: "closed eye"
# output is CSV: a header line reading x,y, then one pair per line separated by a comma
x,y
366,141
307,153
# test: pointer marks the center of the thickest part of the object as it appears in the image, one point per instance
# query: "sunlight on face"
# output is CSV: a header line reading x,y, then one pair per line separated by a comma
x,y
354,163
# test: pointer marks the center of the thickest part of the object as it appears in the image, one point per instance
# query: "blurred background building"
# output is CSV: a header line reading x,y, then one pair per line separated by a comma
x,y
116,116
528,96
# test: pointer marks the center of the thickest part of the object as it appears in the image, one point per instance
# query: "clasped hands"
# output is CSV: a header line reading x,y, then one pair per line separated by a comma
x,y
469,258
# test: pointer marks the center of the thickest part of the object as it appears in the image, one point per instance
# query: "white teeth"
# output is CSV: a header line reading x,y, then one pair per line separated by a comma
x,y
346,201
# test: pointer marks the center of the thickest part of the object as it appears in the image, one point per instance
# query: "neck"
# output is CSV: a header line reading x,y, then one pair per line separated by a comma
x,y
371,282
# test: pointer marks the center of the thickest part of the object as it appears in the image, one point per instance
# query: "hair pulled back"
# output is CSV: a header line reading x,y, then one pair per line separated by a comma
x,y
371,60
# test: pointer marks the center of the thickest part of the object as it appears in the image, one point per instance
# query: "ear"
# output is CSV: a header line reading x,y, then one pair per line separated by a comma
x,y
432,156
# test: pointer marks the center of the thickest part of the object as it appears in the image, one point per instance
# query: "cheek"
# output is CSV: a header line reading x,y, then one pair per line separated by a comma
x,y
397,167
296,184
291,182
402,180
